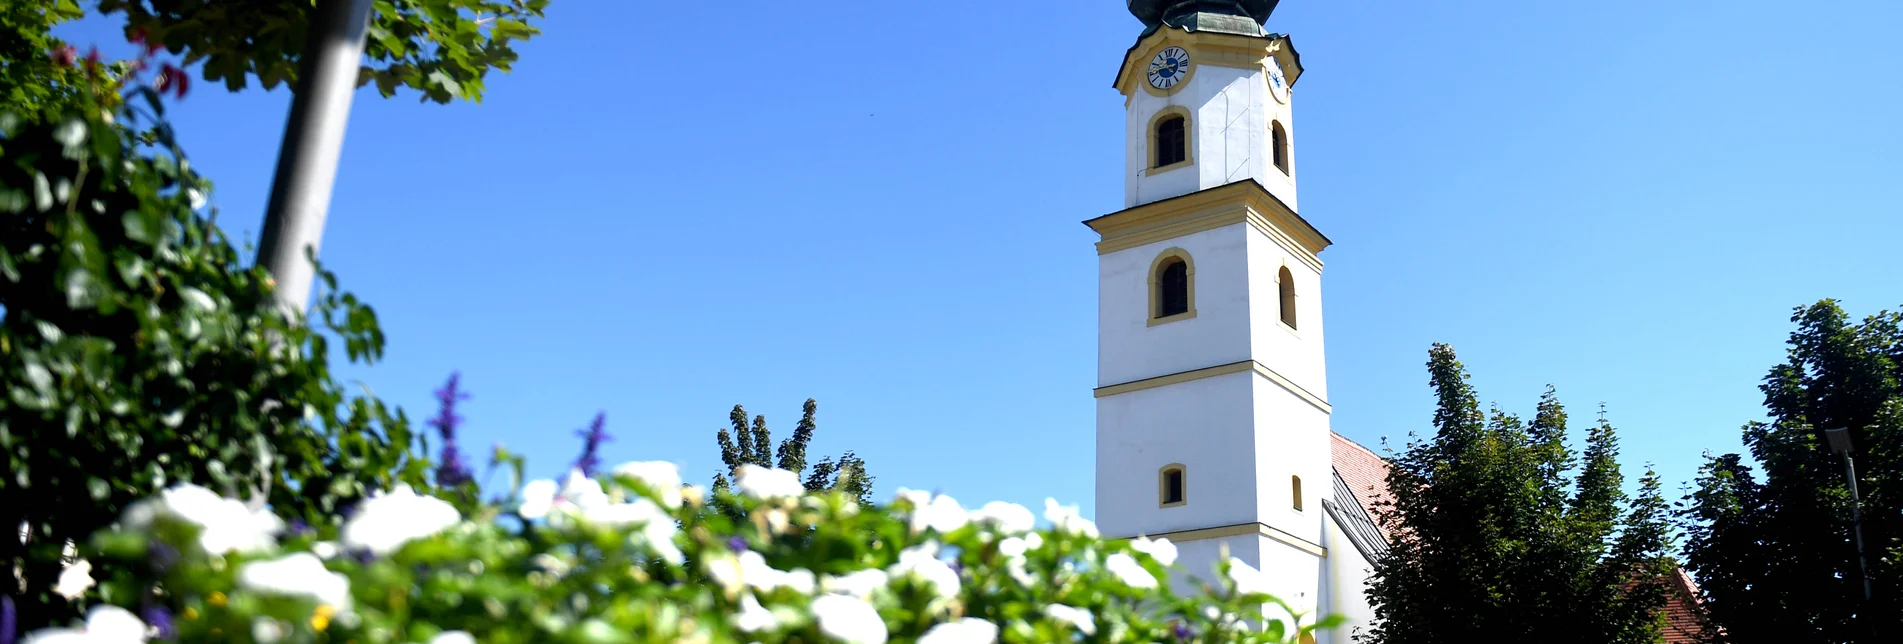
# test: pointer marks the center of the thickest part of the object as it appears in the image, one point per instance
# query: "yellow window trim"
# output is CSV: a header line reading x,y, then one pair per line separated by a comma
x,y
1163,485
1156,286
1189,140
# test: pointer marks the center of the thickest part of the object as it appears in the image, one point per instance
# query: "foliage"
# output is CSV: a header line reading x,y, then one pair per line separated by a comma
x,y
36,70
138,348
1773,552
754,446
1504,536
634,557
441,48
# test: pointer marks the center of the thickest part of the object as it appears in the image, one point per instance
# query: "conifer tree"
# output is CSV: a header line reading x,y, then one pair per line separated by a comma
x,y
1503,534
753,445
1773,551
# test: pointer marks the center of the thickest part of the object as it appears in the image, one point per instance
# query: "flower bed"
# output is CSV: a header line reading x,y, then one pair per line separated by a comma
x,y
634,556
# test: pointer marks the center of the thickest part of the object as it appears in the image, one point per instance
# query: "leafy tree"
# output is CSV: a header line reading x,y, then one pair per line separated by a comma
x,y
753,445
443,49
1505,535
1773,551
36,70
138,348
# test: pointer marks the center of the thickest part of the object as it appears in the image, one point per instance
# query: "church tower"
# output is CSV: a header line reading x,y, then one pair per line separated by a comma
x,y
1212,398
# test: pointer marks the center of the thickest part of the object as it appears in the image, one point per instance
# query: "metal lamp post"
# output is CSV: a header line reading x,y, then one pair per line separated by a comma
x,y
1840,444
313,142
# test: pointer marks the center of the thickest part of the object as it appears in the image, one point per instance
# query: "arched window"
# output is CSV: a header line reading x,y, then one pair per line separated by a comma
x,y
1171,488
1172,141
1172,287
1285,282
1278,145
1172,284
1295,484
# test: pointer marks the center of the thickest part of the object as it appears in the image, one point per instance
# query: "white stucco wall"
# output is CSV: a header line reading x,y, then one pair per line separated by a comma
x,y
1297,353
1291,439
1344,587
1230,108
1129,349
1206,426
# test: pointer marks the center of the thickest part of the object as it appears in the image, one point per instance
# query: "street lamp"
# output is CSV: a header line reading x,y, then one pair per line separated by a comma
x,y
1839,439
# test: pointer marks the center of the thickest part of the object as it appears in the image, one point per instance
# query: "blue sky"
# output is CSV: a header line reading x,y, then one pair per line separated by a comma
x,y
660,214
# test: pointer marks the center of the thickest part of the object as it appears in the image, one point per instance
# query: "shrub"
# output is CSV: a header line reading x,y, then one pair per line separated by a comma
x,y
636,557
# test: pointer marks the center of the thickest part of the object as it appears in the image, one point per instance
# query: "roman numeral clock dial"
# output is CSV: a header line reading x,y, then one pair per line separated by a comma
x,y
1168,67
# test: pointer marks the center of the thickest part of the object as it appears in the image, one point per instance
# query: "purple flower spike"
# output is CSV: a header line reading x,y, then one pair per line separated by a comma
x,y
161,555
592,438
8,621
738,544
1183,634
452,472
159,618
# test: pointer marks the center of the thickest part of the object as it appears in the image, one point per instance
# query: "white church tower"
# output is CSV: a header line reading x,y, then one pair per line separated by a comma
x,y
1212,400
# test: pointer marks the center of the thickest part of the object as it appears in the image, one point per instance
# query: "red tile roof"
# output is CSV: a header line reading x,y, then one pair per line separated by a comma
x,y
1365,472
1367,475
1684,617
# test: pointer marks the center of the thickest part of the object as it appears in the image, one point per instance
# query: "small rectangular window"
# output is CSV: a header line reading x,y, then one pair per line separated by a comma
x,y
1173,486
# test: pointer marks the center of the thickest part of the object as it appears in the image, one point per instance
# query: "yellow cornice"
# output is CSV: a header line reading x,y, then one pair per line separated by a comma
x,y
1211,372
1215,48
1242,529
1240,201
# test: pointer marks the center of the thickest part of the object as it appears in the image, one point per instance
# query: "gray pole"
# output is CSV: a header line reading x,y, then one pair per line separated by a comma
x,y
313,142
1856,527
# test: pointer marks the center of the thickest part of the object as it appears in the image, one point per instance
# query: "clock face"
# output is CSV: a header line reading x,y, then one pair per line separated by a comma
x,y
1169,67
1278,85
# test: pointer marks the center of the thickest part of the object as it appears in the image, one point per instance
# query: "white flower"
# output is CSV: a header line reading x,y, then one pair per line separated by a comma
x,y
266,630
1066,519
538,497
326,550
453,637
850,619
1017,546
969,630
104,625
299,574
74,580
753,617
768,483
224,524
1246,578
858,584
1126,568
941,512
383,523
1160,549
577,494
1008,518
582,492
1016,568
921,562
657,527
800,580
1077,617
661,477
750,570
